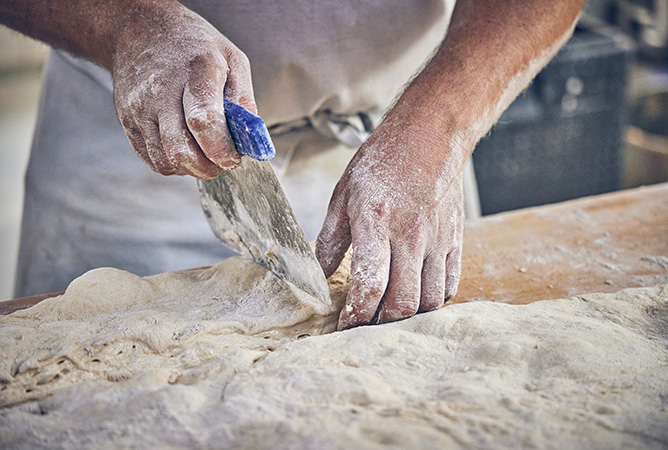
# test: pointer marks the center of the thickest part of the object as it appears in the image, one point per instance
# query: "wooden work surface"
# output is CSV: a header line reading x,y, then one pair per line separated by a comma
x,y
596,244
603,243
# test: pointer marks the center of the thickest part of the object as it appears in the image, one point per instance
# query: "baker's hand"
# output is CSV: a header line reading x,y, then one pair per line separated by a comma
x,y
171,73
400,202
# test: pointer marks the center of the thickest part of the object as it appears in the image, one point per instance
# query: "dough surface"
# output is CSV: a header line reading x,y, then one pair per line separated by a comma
x,y
232,357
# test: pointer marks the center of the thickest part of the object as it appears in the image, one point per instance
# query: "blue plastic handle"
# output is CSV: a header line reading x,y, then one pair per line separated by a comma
x,y
249,132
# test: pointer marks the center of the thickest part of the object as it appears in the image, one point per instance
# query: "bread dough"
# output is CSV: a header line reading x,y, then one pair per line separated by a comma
x,y
231,357
111,324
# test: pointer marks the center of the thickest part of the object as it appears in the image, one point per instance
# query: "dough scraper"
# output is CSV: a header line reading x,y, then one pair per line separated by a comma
x,y
248,211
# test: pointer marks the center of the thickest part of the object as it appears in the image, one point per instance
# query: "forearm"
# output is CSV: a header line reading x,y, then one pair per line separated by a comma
x,y
87,28
492,51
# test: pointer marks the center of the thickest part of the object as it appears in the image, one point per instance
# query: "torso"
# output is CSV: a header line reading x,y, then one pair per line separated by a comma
x,y
344,56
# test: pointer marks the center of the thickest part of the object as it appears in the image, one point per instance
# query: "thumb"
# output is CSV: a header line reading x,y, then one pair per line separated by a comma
x,y
334,238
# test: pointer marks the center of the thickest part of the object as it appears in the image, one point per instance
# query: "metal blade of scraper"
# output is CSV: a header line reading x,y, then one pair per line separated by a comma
x,y
248,211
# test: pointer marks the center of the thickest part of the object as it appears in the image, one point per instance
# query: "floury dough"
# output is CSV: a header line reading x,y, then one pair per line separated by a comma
x,y
111,324
231,357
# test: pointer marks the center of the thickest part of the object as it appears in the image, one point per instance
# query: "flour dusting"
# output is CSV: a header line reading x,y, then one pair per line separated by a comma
x,y
232,357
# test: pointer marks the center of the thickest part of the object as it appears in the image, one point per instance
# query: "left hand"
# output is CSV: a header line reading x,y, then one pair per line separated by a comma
x,y
400,202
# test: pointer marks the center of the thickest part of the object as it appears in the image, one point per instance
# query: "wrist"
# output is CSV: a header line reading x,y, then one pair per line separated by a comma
x,y
432,121
134,25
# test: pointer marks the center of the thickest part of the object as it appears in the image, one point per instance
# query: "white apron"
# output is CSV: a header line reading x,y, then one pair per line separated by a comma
x,y
321,70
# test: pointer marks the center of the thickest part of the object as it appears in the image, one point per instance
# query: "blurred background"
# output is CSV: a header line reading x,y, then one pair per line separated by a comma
x,y
20,67
594,121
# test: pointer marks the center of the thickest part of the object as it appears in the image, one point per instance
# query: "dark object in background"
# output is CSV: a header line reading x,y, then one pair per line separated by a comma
x,y
650,113
644,21
646,156
562,138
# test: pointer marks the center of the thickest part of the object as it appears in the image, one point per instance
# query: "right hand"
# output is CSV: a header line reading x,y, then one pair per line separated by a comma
x,y
400,203
171,72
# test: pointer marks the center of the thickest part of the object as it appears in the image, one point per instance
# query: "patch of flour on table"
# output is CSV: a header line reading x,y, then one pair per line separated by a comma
x,y
217,362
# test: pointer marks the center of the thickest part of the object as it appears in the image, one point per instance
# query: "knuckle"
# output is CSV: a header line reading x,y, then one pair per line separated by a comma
x,y
164,170
433,290
208,65
238,60
136,140
201,119
432,300
128,123
158,85
370,286
369,217
367,284
228,162
374,291
244,61
199,62
406,308
401,309
137,105
348,319
161,162
456,254
381,210
453,272
183,158
450,291
413,243
373,208
431,305
339,198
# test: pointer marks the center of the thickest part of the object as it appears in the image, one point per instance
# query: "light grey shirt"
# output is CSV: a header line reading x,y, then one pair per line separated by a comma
x,y
91,202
